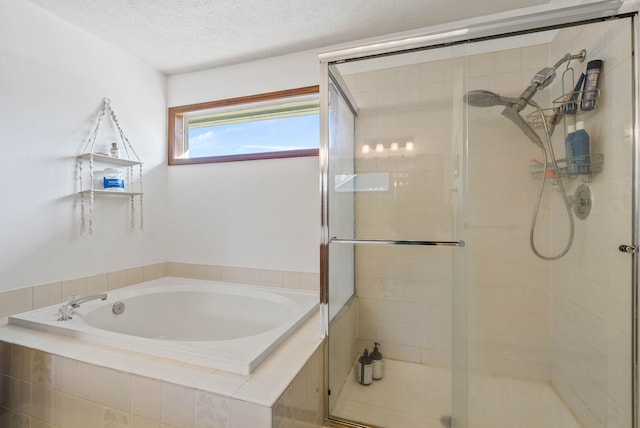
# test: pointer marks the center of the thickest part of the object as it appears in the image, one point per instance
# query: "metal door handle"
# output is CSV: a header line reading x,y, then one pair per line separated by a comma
x,y
629,249
390,242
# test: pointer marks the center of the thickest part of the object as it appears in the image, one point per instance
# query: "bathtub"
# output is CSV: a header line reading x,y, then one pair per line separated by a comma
x,y
217,325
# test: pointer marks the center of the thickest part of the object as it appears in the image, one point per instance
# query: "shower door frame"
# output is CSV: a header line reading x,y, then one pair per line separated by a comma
x,y
494,26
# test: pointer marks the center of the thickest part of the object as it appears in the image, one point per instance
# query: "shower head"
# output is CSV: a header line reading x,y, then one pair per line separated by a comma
x,y
544,77
482,98
513,106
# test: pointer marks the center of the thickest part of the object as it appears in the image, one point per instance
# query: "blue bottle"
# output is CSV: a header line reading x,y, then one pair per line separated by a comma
x,y
569,152
581,149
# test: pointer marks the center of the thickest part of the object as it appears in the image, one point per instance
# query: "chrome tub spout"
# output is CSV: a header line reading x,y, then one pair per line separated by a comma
x,y
66,310
77,302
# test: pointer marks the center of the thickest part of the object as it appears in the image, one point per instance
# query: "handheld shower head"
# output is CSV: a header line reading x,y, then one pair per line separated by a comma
x,y
513,114
482,98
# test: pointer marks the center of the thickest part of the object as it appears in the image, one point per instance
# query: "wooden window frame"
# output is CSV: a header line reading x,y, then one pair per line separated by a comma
x,y
176,128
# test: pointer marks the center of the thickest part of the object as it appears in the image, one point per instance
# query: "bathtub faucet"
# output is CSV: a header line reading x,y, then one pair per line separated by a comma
x,y
77,302
66,310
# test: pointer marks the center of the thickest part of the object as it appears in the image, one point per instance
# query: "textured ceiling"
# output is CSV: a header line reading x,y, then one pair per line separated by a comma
x,y
176,36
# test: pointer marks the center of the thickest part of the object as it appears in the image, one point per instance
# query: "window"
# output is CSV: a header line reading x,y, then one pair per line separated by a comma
x,y
273,125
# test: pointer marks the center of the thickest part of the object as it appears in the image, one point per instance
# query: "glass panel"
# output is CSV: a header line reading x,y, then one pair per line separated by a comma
x,y
404,183
525,326
342,309
549,340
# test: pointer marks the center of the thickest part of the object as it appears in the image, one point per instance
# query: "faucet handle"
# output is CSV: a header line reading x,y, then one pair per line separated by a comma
x,y
65,312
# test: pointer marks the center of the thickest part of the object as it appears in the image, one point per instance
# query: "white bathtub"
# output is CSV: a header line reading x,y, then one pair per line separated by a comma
x,y
212,324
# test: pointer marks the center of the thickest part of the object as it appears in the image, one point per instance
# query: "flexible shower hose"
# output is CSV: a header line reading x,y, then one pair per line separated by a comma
x,y
565,199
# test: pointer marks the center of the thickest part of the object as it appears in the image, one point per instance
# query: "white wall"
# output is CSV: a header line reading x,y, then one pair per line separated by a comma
x,y
261,214
52,81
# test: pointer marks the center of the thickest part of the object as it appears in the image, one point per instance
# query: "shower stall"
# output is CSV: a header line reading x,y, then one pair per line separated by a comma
x,y
467,233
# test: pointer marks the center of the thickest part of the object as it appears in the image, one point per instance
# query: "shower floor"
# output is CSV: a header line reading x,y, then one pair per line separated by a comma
x,y
417,396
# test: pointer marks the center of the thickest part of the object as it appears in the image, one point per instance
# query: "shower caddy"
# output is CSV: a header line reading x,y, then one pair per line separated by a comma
x,y
561,107
129,158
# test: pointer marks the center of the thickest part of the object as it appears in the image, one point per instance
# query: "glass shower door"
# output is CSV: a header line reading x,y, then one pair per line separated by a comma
x,y
395,208
550,333
490,335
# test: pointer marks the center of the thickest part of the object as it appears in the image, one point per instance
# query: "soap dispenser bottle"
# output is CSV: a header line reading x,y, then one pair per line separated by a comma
x,y
376,356
364,370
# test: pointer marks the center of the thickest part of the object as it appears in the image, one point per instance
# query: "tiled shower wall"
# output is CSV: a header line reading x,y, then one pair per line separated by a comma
x,y
509,299
403,293
592,283
565,321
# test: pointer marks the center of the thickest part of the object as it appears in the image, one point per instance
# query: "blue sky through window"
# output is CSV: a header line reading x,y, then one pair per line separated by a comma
x,y
271,135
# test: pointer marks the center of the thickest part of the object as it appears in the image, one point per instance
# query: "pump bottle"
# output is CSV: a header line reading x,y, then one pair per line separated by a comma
x,y
376,356
364,372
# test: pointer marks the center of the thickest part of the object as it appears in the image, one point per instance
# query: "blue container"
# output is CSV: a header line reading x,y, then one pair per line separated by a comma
x,y
113,183
581,149
569,152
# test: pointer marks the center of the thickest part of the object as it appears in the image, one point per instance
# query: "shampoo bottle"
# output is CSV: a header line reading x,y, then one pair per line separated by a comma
x,y
364,372
569,152
591,84
581,149
376,356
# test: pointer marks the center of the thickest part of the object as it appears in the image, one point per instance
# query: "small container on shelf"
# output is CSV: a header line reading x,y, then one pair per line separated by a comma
x,y
113,180
115,150
102,149
109,179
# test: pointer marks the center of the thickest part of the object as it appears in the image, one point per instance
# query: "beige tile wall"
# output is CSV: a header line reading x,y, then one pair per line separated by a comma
x,y
39,390
592,284
342,348
302,403
28,298
509,298
404,293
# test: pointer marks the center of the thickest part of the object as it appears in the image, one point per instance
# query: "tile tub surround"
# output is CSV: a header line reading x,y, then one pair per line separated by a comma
x,y
52,381
27,298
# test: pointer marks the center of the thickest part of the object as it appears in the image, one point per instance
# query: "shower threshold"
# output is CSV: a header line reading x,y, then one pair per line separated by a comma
x,y
419,396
